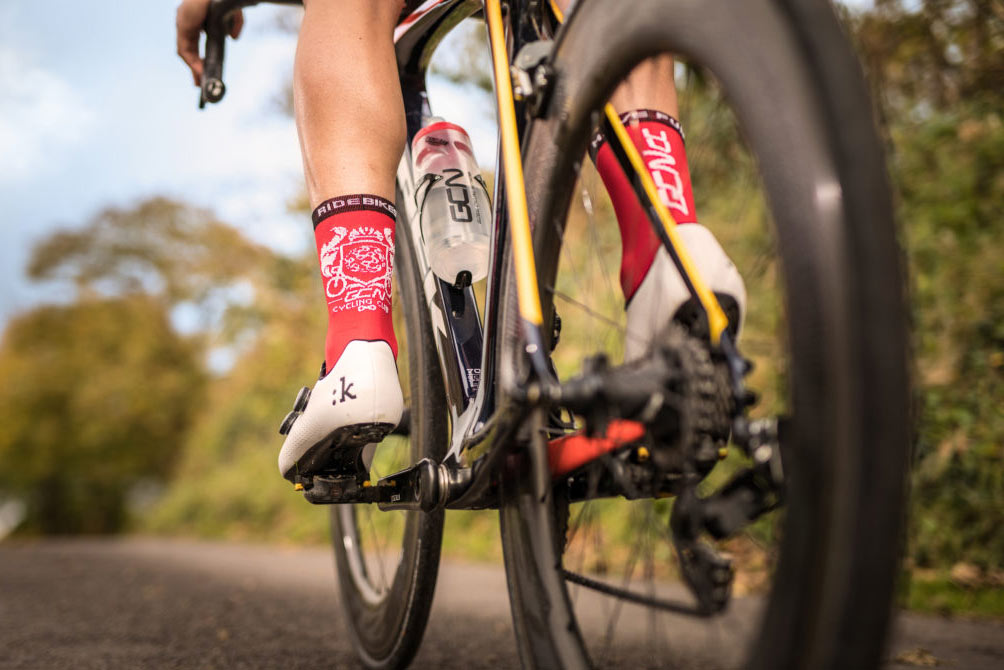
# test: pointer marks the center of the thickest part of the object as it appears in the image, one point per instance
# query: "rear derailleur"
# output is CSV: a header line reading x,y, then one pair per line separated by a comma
x,y
749,494
691,400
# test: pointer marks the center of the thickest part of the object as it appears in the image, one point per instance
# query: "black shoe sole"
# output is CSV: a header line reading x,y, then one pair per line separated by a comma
x,y
339,454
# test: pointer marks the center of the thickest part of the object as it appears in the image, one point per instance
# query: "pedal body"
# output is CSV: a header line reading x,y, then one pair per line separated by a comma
x,y
415,487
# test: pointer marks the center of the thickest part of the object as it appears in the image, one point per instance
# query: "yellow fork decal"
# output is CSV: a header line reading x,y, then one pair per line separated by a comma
x,y
558,14
512,165
717,321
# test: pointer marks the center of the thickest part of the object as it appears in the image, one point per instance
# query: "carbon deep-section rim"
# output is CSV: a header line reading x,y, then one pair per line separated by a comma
x,y
804,111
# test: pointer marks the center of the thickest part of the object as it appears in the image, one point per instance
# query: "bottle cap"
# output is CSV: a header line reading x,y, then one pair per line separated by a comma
x,y
438,125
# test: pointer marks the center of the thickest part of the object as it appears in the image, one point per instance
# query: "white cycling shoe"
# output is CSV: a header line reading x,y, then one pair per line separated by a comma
x,y
358,402
662,295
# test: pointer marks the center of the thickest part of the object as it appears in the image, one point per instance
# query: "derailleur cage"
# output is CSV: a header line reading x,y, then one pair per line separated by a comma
x,y
752,492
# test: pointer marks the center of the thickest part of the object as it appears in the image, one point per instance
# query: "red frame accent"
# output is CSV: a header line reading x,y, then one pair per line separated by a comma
x,y
424,8
570,452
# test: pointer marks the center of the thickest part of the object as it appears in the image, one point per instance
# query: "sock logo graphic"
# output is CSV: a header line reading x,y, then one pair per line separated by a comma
x,y
356,265
661,163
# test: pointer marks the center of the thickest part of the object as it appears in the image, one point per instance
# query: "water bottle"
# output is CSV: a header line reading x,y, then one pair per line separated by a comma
x,y
454,207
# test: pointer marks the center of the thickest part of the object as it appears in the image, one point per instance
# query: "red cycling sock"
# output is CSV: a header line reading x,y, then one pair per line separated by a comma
x,y
355,245
659,138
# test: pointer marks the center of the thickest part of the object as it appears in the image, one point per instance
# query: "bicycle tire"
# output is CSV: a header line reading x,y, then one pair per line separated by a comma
x,y
809,123
387,628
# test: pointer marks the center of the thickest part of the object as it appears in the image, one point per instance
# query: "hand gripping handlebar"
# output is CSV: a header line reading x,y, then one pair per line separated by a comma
x,y
219,20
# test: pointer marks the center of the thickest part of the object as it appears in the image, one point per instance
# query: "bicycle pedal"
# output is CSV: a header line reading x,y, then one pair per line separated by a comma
x,y
336,489
342,453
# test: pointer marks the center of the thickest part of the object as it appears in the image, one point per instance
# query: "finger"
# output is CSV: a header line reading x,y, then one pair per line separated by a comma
x,y
188,49
238,25
188,23
194,63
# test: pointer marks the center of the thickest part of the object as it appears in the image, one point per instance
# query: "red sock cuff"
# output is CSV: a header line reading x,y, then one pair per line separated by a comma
x,y
659,139
354,235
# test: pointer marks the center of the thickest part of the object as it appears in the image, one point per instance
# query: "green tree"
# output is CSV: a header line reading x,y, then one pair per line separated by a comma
x,y
96,397
938,68
168,250
948,169
101,393
932,54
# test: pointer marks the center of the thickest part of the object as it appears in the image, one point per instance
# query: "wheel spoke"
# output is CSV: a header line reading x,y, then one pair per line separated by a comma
x,y
613,323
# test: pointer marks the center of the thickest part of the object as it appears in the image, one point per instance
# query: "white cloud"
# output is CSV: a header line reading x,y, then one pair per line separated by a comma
x,y
40,114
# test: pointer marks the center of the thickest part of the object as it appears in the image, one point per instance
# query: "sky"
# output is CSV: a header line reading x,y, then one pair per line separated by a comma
x,y
97,110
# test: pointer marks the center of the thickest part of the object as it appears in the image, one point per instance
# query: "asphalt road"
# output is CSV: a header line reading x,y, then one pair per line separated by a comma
x,y
143,603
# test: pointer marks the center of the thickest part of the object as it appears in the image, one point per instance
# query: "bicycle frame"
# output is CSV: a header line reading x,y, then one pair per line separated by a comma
x,y
479,405
486,411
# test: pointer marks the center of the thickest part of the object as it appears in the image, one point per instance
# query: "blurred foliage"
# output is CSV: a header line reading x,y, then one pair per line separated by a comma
x,y
925,55
464,59
950,172
942,594
227,483
97,397
938,71
132,270
180,255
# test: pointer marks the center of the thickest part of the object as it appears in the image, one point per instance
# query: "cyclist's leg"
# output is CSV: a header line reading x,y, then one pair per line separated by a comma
x,y
647,102
655,293
350,120
650,86
347,98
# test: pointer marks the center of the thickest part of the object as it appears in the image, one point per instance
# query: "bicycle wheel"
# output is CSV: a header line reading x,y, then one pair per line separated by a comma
x,y
387,562
819,574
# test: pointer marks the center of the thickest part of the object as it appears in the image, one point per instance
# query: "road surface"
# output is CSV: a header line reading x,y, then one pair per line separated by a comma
x,y
152,603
